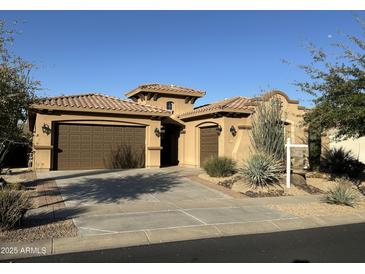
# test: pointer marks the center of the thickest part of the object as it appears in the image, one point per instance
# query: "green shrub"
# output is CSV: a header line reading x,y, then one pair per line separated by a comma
x,y
342,194
124,156
13,205
262,170
340,162
220,167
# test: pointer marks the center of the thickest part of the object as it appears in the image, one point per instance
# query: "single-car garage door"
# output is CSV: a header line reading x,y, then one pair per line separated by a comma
x,y
208,143
79,146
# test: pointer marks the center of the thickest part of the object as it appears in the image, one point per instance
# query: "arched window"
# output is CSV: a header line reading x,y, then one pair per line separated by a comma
x,y
170,105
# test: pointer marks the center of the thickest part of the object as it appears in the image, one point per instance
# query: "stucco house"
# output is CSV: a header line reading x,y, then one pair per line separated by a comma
x,y
157,126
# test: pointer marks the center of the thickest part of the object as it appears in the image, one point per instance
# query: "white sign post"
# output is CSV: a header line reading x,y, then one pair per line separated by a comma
x,y
288,146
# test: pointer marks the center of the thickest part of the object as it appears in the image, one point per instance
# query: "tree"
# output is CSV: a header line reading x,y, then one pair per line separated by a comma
x,y
314,147
17,91
338,84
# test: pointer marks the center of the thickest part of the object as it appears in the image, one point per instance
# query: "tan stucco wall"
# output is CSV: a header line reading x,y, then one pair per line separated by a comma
x,y
294,116
237,147
42,142
179,103
190,140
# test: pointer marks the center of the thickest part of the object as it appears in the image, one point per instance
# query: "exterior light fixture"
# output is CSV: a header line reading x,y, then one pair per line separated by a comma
x,y
46,129
158,132
219,129
233,131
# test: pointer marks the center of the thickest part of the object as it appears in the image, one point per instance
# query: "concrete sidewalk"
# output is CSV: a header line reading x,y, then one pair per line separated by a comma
x,y
157,235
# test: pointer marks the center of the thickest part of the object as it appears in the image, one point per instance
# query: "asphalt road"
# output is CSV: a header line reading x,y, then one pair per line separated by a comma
x,y
330,244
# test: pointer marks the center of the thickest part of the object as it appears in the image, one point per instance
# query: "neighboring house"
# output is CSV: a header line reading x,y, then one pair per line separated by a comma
x,y
158,126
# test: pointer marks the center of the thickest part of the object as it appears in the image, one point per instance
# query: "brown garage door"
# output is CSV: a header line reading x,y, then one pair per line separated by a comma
x,y
208,143
97,146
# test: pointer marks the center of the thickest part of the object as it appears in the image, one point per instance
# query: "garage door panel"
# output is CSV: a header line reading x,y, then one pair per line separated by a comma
x,y
74,129
65,139
95,146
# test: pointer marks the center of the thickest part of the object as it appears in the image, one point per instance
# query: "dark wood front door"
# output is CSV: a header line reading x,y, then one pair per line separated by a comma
x,y
208,143
170,143
79,146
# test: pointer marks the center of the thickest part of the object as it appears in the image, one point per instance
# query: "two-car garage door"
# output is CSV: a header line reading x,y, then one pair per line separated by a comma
x,y
80,146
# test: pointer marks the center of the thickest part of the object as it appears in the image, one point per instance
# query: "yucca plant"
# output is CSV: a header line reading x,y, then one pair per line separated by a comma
x,y
267,134
262,170
219,167
342,194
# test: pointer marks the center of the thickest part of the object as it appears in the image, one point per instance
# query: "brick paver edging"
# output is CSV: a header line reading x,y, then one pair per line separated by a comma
x,y
49,194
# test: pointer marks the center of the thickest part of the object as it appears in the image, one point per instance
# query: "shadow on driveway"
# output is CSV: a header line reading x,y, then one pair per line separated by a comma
x,y
114,189
38,217
75,174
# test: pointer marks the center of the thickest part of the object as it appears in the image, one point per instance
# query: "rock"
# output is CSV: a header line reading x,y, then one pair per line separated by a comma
x,y
298,179
3,183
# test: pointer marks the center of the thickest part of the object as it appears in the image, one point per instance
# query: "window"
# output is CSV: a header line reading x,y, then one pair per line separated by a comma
x,y
170,105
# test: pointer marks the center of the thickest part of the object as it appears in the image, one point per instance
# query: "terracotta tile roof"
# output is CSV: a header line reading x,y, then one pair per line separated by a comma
x,y
168,89
94,102
235,104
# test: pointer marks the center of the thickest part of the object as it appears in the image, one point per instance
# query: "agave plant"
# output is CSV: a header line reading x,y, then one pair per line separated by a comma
x,y
342,194
262,170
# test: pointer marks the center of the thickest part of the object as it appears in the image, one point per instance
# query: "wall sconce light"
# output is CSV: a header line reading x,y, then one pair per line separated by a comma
x,y
219,129
46,129
233,131
158,132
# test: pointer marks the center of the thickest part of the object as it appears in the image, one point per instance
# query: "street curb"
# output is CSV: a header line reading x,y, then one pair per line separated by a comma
x,y
148,237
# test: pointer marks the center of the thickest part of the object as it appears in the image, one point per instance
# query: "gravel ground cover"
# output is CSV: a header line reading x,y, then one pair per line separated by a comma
x,y
30,229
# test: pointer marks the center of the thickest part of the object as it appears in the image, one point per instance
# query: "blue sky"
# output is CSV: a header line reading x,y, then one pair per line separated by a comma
x,y
225,53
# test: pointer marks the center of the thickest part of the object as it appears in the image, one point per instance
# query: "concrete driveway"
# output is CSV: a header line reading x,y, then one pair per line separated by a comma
x,y
109,201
